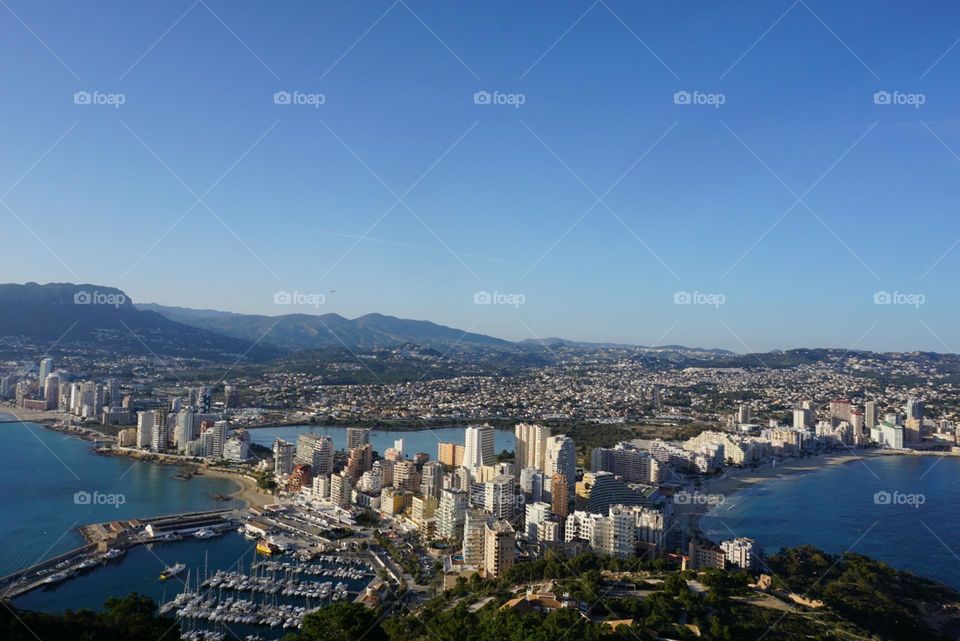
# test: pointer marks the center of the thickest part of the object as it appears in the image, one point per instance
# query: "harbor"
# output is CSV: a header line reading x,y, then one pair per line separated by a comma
x,y
107,542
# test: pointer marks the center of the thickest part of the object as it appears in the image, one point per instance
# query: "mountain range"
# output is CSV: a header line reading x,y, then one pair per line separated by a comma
x,y
62,314
306,331
68,313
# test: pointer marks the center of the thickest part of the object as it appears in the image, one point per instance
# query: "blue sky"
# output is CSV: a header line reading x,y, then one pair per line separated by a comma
x,y
796,200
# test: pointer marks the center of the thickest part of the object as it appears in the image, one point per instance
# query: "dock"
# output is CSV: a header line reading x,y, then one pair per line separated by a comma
x,y
106,541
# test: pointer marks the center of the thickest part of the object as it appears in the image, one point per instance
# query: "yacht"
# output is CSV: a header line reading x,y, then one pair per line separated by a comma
x,y
57,578
172,571
205,533
113,553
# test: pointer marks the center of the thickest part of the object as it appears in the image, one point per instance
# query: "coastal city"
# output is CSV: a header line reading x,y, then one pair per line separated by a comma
x,y
401,523
418,320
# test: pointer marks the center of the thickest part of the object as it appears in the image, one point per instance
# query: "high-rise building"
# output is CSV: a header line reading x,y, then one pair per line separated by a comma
x,y
300,478
478,449
499,541
536,515
870,414
112,393
231,397
315,450
840,411
341,489
615,534
561,458
474,525
451,514
185,429
629,462
559,495
359,460
607,490
405,477
450,454
499,497
146,429
237,446
46,368
357,437
51,391
283,453
431,479
742,552
218,439
531,445
744,414
6,386
531,484
915,409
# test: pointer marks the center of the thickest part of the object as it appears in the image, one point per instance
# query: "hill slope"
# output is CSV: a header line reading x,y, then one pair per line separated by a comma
x,y
68,313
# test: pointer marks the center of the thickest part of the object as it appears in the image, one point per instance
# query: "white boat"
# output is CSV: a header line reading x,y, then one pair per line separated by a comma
x,y
56,578
206,533
172,570
113,553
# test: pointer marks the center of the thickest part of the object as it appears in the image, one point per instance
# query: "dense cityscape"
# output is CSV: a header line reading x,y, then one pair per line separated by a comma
x,y
413,524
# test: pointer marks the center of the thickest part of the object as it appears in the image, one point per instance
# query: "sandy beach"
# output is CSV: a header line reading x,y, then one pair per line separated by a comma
x,y
735,481
249,493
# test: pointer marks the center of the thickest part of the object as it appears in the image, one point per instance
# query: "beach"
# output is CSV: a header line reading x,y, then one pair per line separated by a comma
x,y
249,492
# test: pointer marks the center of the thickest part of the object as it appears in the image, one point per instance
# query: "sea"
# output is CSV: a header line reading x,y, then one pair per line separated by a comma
x,y
899,509
52,483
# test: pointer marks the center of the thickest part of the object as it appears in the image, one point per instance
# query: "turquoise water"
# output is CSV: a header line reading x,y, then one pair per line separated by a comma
x,y
41,472
413,441
835,509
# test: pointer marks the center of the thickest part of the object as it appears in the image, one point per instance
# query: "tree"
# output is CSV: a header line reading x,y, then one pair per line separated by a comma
x,y
341,622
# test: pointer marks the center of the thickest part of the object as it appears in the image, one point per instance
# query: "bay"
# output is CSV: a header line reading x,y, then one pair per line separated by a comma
x,y
898,509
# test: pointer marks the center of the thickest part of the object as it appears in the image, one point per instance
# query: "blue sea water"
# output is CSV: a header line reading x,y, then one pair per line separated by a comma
x,y
42,472
900,509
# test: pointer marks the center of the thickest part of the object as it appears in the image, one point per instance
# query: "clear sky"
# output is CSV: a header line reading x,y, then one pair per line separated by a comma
x,y
599,198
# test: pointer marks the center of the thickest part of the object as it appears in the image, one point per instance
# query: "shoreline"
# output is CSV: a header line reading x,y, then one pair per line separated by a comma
x,y
731,483
247,490
249,493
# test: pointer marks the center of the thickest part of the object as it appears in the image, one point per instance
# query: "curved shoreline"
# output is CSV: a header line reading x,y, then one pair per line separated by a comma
x,y
739,480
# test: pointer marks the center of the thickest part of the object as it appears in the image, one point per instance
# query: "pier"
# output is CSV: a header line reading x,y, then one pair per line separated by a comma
x,y
106,541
